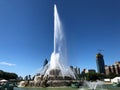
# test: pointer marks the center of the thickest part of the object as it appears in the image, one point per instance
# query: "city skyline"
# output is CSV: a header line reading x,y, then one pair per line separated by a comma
x,y
26,33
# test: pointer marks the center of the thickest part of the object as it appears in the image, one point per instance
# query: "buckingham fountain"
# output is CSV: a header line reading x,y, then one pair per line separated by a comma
x,y
56,72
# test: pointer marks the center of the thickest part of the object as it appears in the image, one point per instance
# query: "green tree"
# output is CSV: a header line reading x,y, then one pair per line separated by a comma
x,y
8,75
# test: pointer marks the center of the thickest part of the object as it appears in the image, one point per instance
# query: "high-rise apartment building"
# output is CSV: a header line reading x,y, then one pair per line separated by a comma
x,y
100,63
115,68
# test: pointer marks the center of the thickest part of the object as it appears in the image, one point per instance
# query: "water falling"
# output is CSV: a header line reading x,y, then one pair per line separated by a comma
x,y
94,85
58,57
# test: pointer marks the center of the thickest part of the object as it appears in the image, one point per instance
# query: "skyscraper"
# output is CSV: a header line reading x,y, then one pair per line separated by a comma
x,y
100,63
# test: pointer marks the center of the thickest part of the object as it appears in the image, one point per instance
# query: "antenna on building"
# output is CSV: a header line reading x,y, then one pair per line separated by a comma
x,y
100,50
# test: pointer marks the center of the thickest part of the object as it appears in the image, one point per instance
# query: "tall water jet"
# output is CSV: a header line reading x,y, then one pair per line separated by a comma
x,y
58,61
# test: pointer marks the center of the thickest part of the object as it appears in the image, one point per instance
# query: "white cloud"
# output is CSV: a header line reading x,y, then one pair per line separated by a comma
x,y
7,64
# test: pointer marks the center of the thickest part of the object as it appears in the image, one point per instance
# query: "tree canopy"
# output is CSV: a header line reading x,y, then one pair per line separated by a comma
x,y
7,75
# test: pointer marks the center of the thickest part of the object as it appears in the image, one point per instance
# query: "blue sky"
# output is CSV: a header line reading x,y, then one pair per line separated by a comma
x,y
26,32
